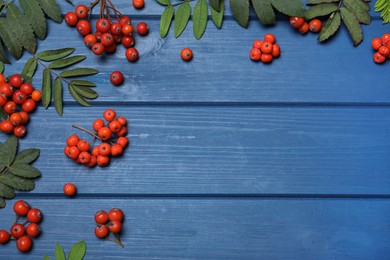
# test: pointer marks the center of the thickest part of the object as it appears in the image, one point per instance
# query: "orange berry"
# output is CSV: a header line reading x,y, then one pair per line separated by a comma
x,y
275,50
315,25
36,95
255,54
269,37
266,58
186,54
304,28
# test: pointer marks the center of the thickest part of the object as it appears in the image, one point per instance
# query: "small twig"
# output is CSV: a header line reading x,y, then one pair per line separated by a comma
x,y
87,131
51,71
16,219
119,242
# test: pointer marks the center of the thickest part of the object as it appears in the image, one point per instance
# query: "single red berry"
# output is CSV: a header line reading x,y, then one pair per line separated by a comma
x,y
109,114
2,79
116,78
84,157
110,49
36,95
6,89
72,140
83,145
385,39
296,22
116,28
266,57
142,28
104,149
379,58
376,43
132,54
138,4
17,230
103,25
16,80
4,237
257,44
186,54
6,126
101,231
118,38
266,48
97,124
90,40
95,150
122,141
269,37
384,50
315,25
83,27
33,230
304,28
127,29
116,150
71,19
3,99
73,152
70,189
255,54
125,20
16,118
27,88
115,126
92,162
10,107
20,131
122,132
98,48
104,133
128,41
98,36
114,226
24,244
21,208
34,215
66,150
29,105
107,39
116,214
25,117
19,97
102,160
275,50
81,11
101,217
122,120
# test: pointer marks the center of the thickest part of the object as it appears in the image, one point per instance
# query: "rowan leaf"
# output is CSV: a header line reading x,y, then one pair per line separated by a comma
x,y
46,257
217,16
78,250
58,96
78,72
182,16
83,83
52,10
18,183
51,55
321,10
30,68
290,7
66,62
264,11
3,115
46,88
199,18
8,151
1,67
360,12
2,202
330,27
166,20
35,17
59,252
6,192
314,2
27,156
216,4
3,56
77,96
86,92
353,26
8,37
24,170
164,2
240,11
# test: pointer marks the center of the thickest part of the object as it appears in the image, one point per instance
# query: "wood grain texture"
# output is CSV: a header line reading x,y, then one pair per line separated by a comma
x,y
217,229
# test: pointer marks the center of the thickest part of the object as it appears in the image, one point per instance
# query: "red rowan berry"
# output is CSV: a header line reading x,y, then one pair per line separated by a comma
x,y
296,22
25,117
101,217
104,133
379,58
34,215
101,231
109,114
266,58
142,29
81,11
83,145
114,226
275,50
90,40
2,79
71,19
257,44
97,124
19,97
29,105
16,118
36,95
116,214
127,29
269,37
132,54
115,126
104,149
10,107
122,132
73,152
20,131
138,4
122,141
84,157
6,89
122,120
116,28
186,54
128,41
72,140
304,28
17,230
83,27
92,162
116,150
98,48
125,20
103,25
315,25
110,49
103,160
21,208
95,151
384,50
27,88
255,54
16,80
33,230
385,39
266,48
24,244
4,237
116,78
3,100
107,39
6,126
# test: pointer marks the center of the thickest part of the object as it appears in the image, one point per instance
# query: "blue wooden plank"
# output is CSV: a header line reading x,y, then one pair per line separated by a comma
x,y
216,228
224,150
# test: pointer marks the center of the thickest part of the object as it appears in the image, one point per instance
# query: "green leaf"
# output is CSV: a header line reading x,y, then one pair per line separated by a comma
x,y
166,20
35,17
164,2
8,151
1,67
2,202
6,192
16,182
52,10
27,156
3,115
264,11
24,170
353,26
66,62
78,250
46,257
199,18
182,16
58,95
46,88
216,4
314,2
30,68
77,96
290,7
8,37
59,252
217,16
321,10
86,92
78,72
330,28
360,12
240,10
83,83
3,56
51,55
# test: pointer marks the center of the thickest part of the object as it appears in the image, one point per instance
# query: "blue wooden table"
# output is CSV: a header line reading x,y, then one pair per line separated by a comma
x,y
229,159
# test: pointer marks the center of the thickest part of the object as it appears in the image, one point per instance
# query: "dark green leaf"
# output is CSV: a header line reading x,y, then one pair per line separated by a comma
x,y
58,95
330,28
51,55
30,68
182,16
46,257
78,72
8,37
1,67
51,8
8,151
360,12
86,92
217,16
164,2
321,10
6,192
2,202
77,96
35,17
66,62
352,25
3,115
16,182
264,11
83,83
199,18
46,88
27,156
24,170
290,7
240,10
78,250
216,4
314,2
3,56
166,20
59,252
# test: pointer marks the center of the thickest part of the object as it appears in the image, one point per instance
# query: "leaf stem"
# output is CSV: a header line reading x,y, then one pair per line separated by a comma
x,y
4,171
46,67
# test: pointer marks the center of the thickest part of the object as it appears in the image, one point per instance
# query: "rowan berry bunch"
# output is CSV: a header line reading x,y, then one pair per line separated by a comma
x,y
17,99
265,50
109,222
112,135
110,31
21,234
303,26
382,48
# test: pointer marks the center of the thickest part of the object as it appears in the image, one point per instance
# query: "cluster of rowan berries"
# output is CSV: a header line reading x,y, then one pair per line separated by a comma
x,y
109,222
80,149
18,232
382,48
303,26
265,50
16,95
108,33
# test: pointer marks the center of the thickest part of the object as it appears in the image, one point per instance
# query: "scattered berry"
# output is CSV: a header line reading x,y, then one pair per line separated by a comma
x,y
116,78
186,54
138,4
142,29
70,189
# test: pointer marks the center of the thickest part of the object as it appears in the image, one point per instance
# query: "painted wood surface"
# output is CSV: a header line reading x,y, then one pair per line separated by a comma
x,y
229,159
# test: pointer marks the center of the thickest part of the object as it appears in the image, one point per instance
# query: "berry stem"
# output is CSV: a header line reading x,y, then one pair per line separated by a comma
x,y
25,222
87,131
51,71
16,219
118,240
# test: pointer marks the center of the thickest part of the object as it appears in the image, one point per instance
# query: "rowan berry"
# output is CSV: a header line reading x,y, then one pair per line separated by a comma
x,y
34,215
109,114
122,141
132,54
36,95
124,20
27,88
116,150
4,237
122,120
110,49
10,107
6,126
25,117
97,124
2,79
315,25
83,27
90,40
266,48
104,133
71,19
122,132
73,152
275,50
104,149
3,100
98,36
138,4
255,54
16,118
19,97
16,80
384,50
20,131
142,28
33,230
269,37
95,150
66,151
296,22
101,231
103,25
81,11
92,162
98,48
21,208
116,78
102,160
304,28
114,226
107,39
186,54
24,244
385,39
266,58
257,44
116,214
379,58
84,157
101,217
116,28
127,29
6,89
83,145
72,140
29,105
17,230
115,126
